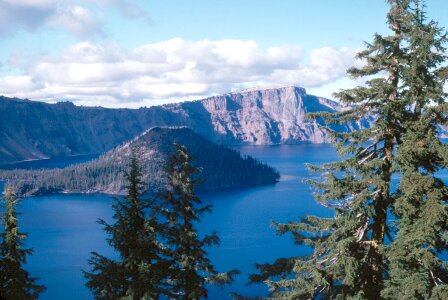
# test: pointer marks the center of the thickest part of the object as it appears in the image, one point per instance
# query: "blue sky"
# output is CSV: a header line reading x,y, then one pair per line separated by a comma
x,y
124,53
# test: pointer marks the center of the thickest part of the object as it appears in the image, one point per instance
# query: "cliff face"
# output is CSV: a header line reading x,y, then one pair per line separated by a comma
x,y
261,116
30,129
220,167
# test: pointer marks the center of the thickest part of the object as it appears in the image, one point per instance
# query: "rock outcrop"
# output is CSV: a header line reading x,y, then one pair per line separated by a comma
x,y
261,116
33,130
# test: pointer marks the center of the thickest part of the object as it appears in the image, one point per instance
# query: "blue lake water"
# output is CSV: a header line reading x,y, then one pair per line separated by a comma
x,y
63,229
56,162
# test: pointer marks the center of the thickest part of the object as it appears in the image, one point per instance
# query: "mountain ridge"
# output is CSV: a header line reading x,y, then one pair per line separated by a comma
x,y
276,115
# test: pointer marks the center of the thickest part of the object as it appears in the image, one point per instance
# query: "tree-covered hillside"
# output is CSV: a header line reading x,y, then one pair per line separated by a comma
x,y
220,167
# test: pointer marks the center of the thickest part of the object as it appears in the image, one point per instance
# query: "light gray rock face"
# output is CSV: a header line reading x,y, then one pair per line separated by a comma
x,y
262,116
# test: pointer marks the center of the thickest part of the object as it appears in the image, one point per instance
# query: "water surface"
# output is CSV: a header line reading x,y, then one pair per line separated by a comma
x,y
63,229
50,163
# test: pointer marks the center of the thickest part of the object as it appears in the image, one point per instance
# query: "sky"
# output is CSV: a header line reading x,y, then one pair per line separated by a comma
x,y
126,53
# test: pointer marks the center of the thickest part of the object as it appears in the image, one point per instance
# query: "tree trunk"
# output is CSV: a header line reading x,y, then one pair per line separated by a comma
x,y
382,199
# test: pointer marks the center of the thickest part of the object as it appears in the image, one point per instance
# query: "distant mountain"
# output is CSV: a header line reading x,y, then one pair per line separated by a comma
x,y
221,167
33,130
274,115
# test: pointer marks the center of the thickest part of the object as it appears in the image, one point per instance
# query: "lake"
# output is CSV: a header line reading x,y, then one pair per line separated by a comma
x,y
63,230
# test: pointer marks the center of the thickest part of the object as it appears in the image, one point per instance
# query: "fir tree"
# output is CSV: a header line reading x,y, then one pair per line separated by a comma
x,y
15,282
418,269
141,269
348,260
191,270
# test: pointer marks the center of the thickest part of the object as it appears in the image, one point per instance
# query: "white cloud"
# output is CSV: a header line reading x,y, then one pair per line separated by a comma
x,y
19,85
24,14
78,20
71,15
326,64
109,75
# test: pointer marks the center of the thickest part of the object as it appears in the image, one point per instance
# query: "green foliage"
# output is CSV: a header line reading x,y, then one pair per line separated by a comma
x,y
161,253
361,253
417,267
180,210
140,272
15,282
220,167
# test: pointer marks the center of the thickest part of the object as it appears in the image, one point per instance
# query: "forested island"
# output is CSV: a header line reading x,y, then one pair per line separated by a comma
x,y
220,167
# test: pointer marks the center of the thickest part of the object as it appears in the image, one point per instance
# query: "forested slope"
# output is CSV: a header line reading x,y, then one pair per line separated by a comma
x,y
221,167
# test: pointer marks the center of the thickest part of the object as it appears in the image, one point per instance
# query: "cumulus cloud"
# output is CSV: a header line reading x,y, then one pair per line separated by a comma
x,y
326,64
24,14
24,84
76,19
71,15
110,75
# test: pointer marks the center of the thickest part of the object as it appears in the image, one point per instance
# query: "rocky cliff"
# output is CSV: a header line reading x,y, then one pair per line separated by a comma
x,y
261,116
32,130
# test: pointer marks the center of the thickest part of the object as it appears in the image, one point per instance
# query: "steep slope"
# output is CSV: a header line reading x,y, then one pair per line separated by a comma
x,y
33,130
261,116
30,129
221,167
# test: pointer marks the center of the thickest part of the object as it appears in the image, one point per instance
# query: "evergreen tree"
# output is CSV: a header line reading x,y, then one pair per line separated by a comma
x,y
181,209
349,258
418,269
15,282
141,269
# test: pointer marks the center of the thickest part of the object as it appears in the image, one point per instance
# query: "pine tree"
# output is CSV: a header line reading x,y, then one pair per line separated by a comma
x,y
348,259
181,209
15,282
418,267
140,272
